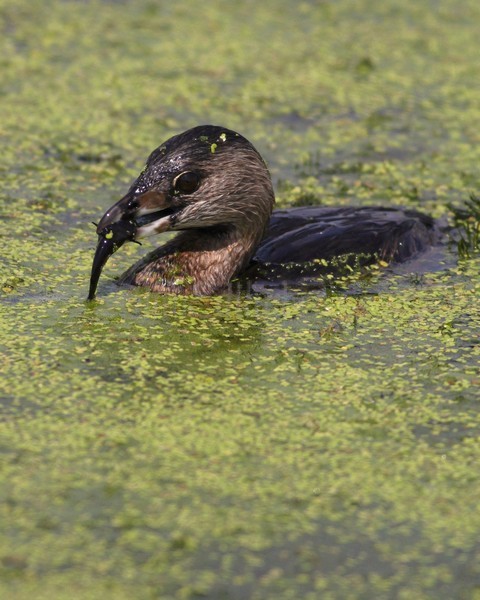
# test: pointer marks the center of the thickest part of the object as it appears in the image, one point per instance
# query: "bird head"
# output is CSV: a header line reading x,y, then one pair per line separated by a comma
x,y
207,177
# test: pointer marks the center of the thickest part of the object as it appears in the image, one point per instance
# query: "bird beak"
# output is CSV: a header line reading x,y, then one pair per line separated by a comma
x,y
132,217
150,212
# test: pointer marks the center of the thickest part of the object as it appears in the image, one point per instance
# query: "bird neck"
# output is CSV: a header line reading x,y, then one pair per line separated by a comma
x,y
197,262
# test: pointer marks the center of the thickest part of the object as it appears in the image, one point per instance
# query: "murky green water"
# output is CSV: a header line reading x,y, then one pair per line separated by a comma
x,y
287,445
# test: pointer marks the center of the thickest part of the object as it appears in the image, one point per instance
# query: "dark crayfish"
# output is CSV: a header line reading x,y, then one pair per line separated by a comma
x,y
110,239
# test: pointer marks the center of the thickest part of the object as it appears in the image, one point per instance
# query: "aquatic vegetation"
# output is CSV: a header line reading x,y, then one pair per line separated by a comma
x,y
466,220
275,444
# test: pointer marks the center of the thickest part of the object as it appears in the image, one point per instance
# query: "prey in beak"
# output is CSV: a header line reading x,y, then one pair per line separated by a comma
x,y
110,239
133,217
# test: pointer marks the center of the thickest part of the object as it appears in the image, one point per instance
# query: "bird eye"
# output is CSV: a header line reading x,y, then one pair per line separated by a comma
x,y
186,183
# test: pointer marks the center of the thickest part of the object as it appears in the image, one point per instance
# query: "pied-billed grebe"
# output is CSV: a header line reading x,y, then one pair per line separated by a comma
x,y
211,184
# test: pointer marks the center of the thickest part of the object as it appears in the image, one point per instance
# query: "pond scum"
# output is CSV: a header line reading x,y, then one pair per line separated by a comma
x,y
466,222
288,443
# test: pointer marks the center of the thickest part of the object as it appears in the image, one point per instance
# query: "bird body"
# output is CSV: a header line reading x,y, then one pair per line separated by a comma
x,y
210,184
197,263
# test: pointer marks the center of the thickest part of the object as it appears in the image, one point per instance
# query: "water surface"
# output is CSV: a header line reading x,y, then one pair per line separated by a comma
x,y
283,444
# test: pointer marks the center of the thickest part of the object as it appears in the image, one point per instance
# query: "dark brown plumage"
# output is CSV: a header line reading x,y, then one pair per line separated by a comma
x,y
211,185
